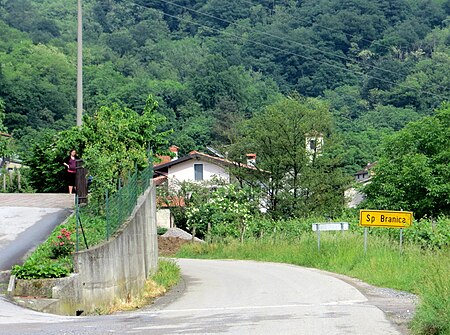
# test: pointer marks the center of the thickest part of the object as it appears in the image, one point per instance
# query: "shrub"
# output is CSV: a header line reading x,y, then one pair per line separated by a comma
x,y
40,269
226,213
433,317
161,230
63,246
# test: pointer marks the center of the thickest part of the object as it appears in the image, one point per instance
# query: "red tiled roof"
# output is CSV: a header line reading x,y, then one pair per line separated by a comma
x,y
164,160
171,201
222,160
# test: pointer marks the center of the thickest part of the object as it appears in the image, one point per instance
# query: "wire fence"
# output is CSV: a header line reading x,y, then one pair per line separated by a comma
x,y
120,205
92,227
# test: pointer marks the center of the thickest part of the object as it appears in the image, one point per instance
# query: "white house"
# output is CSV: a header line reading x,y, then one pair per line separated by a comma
x,y
195,167
354,196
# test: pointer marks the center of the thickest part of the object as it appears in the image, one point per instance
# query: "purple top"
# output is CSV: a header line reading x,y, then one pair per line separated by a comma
x,y
72,165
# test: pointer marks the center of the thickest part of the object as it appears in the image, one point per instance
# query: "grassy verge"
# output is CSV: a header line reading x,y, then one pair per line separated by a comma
x,y
424,272
167,275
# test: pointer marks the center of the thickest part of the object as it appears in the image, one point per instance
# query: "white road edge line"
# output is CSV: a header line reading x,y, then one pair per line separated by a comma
x,y
231,308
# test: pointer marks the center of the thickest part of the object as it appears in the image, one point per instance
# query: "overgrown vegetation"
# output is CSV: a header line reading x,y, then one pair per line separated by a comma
x,y
50,259
414,169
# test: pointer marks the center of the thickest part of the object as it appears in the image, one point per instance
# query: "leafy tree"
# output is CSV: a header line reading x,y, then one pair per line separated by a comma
x,y
413,172
5,142
426,86
112,142
296,181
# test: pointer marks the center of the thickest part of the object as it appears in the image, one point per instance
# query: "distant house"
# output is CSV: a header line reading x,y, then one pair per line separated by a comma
x,y
194,167
314,144
363,176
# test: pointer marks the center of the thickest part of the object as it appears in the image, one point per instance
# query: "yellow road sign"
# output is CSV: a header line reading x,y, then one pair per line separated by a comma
x,y
389,219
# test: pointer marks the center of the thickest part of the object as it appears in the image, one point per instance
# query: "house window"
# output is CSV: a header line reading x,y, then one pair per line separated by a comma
x,y
198,172
312,144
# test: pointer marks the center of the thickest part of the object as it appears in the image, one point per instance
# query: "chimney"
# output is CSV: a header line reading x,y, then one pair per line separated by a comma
x,y
174,150
251,159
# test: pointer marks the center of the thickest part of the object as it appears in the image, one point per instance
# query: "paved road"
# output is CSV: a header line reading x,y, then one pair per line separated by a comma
x,y
229,297
26,220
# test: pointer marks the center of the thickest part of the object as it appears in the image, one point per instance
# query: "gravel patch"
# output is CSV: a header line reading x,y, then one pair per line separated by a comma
x,y
398,306
179,233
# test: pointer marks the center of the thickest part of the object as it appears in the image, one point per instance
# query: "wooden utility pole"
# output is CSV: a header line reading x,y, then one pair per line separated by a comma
x,y
80,66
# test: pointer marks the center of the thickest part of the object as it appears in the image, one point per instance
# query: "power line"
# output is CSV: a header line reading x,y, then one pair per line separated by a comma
x,y
340,67
283,39
336,30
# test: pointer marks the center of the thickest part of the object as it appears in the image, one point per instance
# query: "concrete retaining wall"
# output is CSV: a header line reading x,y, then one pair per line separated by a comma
x,y
116,269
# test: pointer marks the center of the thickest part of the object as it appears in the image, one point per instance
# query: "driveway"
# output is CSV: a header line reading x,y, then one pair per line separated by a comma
x,y
26,220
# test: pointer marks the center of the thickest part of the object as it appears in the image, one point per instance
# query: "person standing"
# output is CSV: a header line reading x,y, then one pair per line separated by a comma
x,y
71,169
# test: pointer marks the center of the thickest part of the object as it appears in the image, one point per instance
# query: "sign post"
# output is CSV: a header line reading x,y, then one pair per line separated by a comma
x,y
386,219
328,226
365,240
401,240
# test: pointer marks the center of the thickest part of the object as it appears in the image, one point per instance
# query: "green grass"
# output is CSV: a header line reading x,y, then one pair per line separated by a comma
x,y
417,270
167,275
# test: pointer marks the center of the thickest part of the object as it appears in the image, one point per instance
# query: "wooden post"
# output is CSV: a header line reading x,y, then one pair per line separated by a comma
x,y
81,183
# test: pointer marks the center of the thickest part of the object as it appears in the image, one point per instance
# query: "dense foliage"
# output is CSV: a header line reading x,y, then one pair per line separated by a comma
x,y
414,172
299,180
113,142
210,63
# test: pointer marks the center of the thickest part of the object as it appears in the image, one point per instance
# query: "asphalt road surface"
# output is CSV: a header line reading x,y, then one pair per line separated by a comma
x,y
228,297
24,228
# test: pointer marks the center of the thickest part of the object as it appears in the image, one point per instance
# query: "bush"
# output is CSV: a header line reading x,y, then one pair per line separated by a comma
x,y
225,214
63,246
40,269
161,230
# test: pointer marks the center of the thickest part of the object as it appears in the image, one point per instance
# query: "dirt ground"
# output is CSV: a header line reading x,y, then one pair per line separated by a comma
x,y
169,246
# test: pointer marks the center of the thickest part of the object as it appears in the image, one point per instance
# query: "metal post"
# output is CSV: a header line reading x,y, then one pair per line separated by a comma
x,y
401,240
365,241
318,237
77,213
119,195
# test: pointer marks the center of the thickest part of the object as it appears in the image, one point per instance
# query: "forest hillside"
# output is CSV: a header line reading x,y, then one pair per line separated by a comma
x,y
211,64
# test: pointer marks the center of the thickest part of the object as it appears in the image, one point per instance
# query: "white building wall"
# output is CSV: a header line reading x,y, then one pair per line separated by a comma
x,y
164,218
185,171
